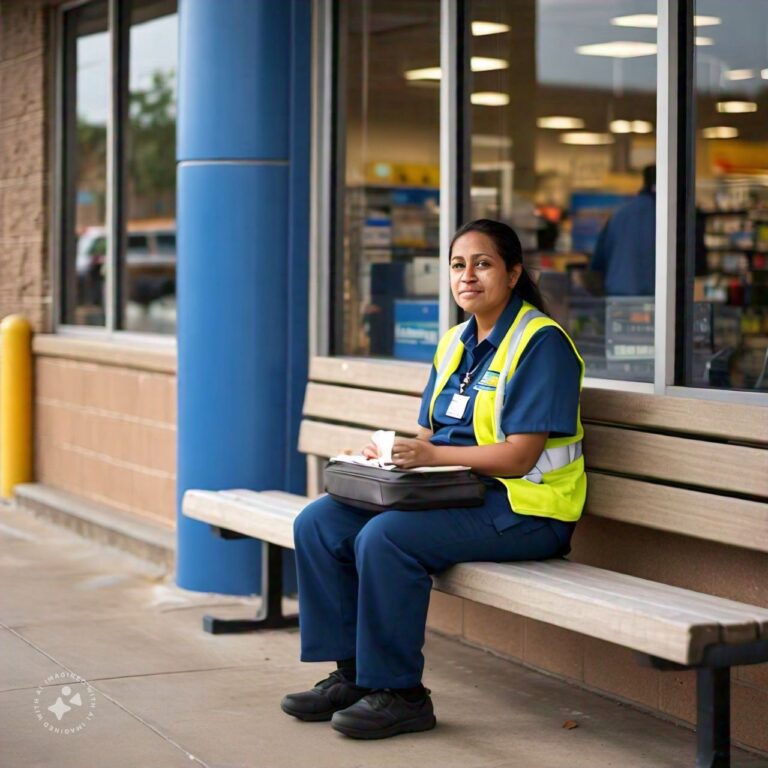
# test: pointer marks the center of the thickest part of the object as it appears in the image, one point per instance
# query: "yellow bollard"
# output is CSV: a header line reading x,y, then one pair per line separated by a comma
x,y
15,403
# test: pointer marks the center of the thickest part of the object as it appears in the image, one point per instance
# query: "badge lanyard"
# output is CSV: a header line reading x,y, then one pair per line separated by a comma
x,y
459,401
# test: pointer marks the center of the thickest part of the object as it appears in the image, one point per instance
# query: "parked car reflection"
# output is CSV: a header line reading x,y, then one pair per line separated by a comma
x,y
150,262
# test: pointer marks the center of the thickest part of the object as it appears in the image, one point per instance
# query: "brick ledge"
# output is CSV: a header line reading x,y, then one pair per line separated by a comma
x,y
142,538
116,352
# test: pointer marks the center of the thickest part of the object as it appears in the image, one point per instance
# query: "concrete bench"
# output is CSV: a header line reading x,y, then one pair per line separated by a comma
x,y
686,479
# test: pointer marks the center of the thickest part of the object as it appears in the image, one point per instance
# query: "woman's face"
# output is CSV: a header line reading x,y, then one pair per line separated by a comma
x,y
480,281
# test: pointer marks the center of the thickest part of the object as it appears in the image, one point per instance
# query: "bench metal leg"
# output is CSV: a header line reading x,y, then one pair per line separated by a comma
x,y
713,731
713,695
270,615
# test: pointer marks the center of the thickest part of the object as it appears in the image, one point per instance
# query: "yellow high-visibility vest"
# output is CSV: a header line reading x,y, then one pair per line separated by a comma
x,y
557,485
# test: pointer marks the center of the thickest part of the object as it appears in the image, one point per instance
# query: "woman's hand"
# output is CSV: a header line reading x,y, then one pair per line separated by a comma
x,y
408,453
371,451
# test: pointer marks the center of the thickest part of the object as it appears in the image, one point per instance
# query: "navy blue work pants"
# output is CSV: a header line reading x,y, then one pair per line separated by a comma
x,y
364,578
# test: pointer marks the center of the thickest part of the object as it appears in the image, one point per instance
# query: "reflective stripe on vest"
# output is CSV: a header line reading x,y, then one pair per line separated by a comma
x,y
455,341
552,458
444,371
501,384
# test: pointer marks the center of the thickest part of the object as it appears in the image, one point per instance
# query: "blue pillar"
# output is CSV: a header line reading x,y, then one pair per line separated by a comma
x,y
243,187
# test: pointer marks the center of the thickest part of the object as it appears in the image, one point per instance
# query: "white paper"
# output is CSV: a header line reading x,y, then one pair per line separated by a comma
x,y
360,459
384,440
453,468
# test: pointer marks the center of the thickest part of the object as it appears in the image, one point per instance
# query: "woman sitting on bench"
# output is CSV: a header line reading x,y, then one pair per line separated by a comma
x,y
364,578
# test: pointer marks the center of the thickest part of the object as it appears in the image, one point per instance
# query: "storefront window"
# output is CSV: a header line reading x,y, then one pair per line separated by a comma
x,y
148,270
563,149
86,107
727,333
144,188
386,262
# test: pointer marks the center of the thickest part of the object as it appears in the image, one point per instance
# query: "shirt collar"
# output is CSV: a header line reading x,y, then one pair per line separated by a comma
x,y
496,336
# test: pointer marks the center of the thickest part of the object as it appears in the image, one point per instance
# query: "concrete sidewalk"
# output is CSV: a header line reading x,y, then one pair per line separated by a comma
x,y
161,693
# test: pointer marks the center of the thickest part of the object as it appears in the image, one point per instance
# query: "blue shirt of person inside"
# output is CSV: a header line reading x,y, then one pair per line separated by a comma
x,y
625,252
541,396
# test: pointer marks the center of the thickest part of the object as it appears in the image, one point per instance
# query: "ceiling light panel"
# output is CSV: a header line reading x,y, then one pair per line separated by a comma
x,y
618,49
637,20
707,21
425,73
482,28
620,126
485,64
560,122
642,126
490,99
720,132
740,74
586,139
630,126
736,107
651,21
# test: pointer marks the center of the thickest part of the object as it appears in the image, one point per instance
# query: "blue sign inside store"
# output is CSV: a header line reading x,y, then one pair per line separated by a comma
x,y
416,329
589,213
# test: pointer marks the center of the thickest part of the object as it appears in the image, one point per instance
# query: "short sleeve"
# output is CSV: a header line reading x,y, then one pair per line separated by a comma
x,y
543,393
426,399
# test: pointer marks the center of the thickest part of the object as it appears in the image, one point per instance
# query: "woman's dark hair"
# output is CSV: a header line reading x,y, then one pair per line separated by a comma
x,y
509,248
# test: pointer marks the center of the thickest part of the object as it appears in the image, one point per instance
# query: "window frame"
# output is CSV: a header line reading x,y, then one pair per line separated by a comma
x,y
678,258
674,113
118,30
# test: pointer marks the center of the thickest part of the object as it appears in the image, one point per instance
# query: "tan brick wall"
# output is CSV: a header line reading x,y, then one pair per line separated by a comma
x,y
107,433
703,566
24,278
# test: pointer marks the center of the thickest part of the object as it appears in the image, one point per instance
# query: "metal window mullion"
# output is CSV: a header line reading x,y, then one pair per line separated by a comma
x,y
321,179
666,193
119,18
55,159
337,174
454,139
66,139
686,193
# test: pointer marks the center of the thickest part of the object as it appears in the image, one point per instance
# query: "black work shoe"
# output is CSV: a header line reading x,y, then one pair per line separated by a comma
x,y
384,713
328,696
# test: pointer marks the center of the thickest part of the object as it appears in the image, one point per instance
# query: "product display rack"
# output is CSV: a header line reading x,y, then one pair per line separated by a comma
x,y
391,231
731,308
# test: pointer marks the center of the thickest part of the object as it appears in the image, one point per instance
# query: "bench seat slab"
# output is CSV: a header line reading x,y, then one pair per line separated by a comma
x,y
660,620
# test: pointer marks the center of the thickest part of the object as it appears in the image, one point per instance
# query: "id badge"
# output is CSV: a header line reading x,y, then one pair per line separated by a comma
x,y
458,406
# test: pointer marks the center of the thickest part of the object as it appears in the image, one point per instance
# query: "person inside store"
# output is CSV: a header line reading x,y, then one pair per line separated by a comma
x,y
364,578
625,253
